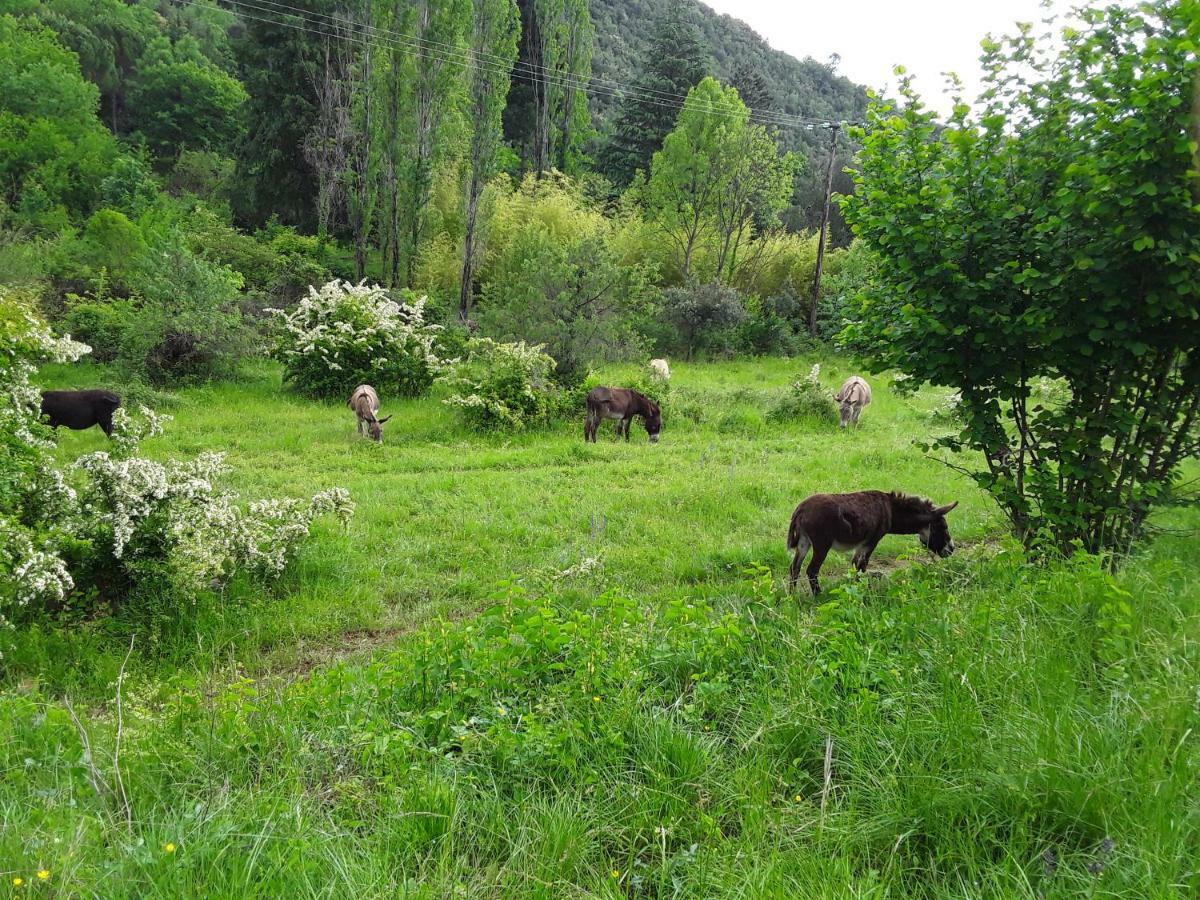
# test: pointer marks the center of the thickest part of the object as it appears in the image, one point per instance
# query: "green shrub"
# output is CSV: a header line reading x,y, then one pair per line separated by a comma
x,y
505,386
348,334
705,316
179,321
806,399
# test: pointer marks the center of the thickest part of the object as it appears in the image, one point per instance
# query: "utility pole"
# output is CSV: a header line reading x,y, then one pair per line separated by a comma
x,y
816,290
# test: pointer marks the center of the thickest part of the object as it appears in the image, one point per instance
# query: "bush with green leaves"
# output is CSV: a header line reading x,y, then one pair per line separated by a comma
x,y
705,315
117,524
1051,232
34,497
169,528
807,398
498,386
343,335
175,320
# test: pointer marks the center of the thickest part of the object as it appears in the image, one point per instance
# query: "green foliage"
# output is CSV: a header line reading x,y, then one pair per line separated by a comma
x,y
176,318
573,297
1005,252
181,101
807,399
344,335
54,153
497,386
673,62
715,174
705,315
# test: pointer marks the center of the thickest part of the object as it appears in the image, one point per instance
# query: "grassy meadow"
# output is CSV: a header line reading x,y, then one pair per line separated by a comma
x,y
533,667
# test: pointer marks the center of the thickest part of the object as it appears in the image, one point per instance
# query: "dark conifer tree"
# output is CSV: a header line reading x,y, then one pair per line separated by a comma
x,y
675,61
752,87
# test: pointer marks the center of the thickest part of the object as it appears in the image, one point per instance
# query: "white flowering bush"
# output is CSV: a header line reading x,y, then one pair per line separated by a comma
x,y
116,524
807,398
343,335
34,497
170,526
499,386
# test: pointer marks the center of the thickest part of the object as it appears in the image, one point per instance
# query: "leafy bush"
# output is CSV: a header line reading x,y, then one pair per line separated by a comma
x,y
705,315
348,334
808,399
116,519
504,386
33,494
1049,233
179,321
168,527
574,298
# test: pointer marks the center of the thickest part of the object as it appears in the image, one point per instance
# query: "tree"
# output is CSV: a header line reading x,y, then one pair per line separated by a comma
x,y
674,62
547,117
494,39
715,173
181,101
1050,239
54,153
274,58
752,87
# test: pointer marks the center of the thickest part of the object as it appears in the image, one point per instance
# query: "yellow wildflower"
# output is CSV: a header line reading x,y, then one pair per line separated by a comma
x,y
18,881
799,799
168,847
595,699
43,874
615,873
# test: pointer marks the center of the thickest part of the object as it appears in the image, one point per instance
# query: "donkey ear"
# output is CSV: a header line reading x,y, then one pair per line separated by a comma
x,y
384,419
942,510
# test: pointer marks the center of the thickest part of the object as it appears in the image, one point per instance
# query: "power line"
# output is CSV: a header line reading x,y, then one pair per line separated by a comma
x,y
530,69
362,33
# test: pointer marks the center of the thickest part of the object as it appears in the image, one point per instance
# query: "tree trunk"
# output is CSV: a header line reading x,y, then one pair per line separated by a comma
x,y
467,287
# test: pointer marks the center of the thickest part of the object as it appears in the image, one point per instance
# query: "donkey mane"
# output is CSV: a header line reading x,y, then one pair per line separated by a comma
x,y
910,503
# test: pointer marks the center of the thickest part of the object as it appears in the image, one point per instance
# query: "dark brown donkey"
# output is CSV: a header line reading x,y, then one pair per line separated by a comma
x,y
858,522
621,404
80,409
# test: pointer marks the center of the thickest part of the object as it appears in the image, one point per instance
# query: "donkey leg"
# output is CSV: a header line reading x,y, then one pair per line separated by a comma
x,y
862,555
820,551
625,423
802,548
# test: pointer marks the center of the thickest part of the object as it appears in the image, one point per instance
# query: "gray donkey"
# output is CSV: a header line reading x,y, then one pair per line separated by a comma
x,y
852,396
365,403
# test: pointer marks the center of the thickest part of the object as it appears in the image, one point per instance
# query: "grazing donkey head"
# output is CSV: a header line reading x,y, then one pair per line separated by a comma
x,y
653,420
936,535
375,428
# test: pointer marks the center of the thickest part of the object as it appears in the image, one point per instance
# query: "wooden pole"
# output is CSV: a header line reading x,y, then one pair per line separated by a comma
x,y
816,290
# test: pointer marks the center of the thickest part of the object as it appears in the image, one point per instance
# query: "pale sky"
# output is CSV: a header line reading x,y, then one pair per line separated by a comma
x,y
927,37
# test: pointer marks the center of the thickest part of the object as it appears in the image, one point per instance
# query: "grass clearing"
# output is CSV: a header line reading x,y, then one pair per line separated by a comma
x,y
570,672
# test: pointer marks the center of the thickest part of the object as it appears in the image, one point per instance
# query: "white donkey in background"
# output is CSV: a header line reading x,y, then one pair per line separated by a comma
x,y
365,403
852,396
659,370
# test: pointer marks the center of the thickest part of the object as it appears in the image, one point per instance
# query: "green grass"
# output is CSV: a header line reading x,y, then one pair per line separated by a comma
x,y
533,663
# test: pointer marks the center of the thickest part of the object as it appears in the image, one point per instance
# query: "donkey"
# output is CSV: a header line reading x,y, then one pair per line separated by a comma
x,y
80,409
852,396
365,403
858,522
660,371
621,404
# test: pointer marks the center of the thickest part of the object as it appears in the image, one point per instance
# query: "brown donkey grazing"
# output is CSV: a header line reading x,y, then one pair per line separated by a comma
x,y
621,404
365,403
858,522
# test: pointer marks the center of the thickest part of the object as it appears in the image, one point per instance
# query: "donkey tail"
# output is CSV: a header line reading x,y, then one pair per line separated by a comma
x,y
795,531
